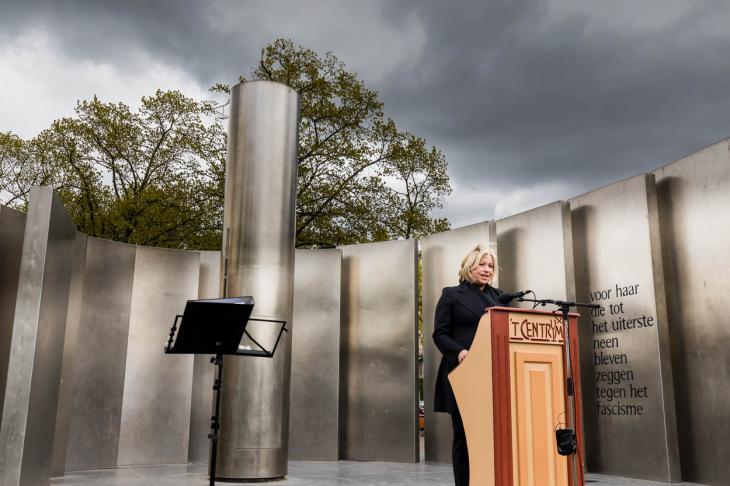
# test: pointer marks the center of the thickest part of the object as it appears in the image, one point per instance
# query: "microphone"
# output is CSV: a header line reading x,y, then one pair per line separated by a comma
x,y
507,298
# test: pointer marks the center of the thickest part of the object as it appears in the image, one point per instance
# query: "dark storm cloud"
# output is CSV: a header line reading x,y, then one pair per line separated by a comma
x,y
516,93
179,32
535,91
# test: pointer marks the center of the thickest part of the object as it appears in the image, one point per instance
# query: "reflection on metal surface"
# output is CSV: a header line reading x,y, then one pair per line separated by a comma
x,y
315,381
70,350
36,348
625,364
259,248
12,226
378,372
441,256
694,197
101,349
202,403
157,387
536,252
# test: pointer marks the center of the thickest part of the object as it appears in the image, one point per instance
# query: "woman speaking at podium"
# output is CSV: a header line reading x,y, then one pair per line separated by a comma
x,y
457,315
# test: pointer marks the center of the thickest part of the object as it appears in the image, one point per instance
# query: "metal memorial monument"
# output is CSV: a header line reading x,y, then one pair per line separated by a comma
x,y
258,256
84,384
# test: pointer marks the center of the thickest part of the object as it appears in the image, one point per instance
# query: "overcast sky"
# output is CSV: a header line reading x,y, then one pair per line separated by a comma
x,y
531,101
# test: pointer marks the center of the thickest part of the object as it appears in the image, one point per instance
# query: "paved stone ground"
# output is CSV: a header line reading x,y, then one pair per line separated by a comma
x,y
304,473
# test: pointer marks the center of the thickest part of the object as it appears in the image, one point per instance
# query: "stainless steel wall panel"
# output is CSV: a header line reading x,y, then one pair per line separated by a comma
x,y
441,256
315,377
203,369
378,372
70,349
694,197
101,349
36,349
259,248
630,423
536,253
12,228
155,424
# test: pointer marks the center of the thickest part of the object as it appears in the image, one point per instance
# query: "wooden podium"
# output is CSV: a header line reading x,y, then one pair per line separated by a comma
x,y
511,393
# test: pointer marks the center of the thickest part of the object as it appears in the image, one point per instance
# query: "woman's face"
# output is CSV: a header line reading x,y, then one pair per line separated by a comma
x,y
482,273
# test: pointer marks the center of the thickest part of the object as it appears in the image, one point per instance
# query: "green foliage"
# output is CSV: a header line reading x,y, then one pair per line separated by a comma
x,y
155,175
151,177
360,178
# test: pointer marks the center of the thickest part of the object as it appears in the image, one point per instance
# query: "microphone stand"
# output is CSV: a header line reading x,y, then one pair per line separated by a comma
x,y
564,307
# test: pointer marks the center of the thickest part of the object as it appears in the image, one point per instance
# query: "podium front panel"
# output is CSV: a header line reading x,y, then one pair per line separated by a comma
x,y
511,394
538,406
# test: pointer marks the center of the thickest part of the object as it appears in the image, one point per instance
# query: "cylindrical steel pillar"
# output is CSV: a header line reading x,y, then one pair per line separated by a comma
x,y
258,260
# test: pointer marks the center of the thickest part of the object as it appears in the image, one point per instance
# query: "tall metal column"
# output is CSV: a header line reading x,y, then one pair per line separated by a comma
x,y
258,260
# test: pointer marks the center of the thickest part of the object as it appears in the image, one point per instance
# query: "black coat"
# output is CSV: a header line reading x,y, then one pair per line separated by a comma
x,y
455,324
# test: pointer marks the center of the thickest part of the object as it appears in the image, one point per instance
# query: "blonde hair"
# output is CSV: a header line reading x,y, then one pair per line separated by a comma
x,y
472,259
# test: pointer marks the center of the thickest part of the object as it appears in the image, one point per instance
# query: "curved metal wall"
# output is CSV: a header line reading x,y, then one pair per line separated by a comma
x,y
70,350
315,380
101,356
258,247
378,372
203,370
12,227
157,396
616,244
441,256
536,253
625,360
36,347
694,197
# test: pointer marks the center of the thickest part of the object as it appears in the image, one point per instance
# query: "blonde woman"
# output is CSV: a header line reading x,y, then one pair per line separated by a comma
x,y
457,315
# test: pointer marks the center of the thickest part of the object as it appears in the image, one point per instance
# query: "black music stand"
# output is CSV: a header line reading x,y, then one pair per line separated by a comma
x,y
216,326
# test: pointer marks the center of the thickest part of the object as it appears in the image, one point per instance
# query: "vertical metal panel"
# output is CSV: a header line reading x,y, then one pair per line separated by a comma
x,y
259,248
315,381
378,373
203,369
536,252
155,425
12,227
70,349
36,349
441,256
694,197
629,398
101,349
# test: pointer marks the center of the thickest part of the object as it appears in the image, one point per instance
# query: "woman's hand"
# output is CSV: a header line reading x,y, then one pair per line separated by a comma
x,y
462,355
